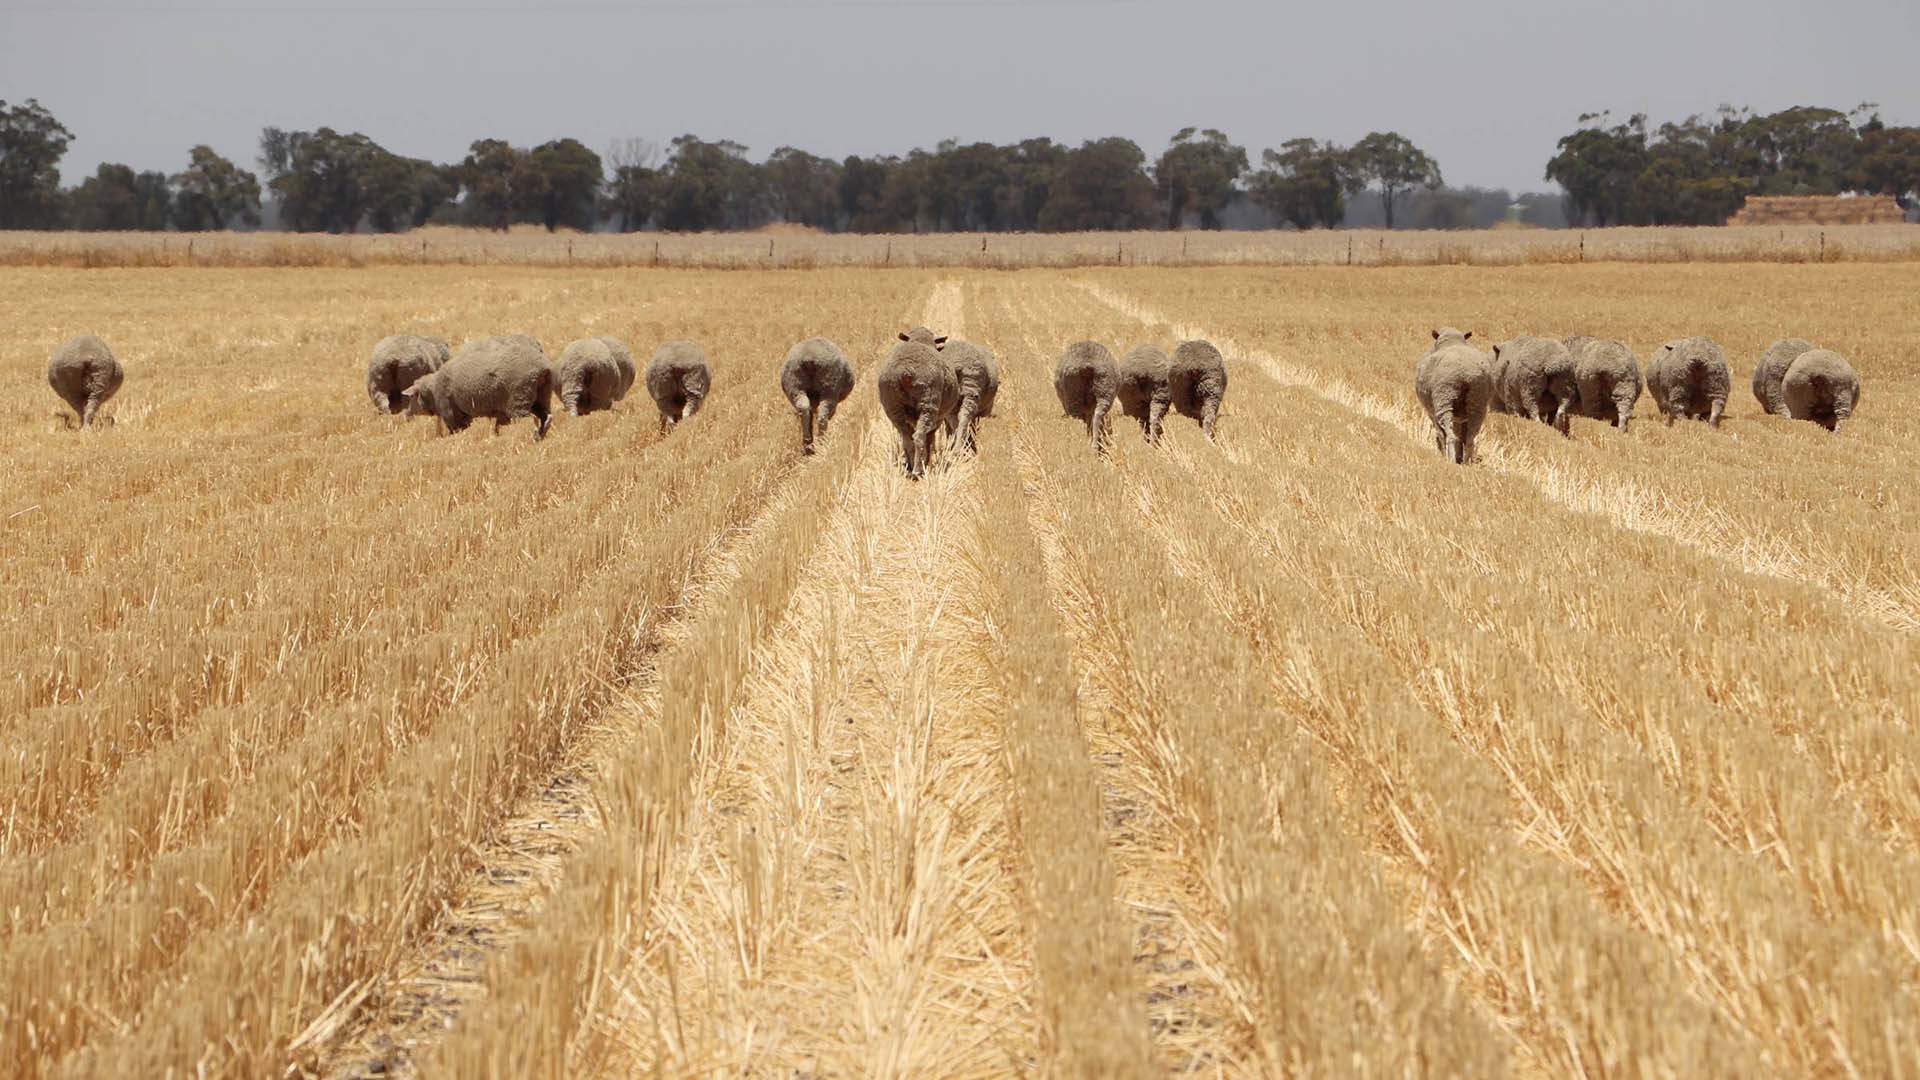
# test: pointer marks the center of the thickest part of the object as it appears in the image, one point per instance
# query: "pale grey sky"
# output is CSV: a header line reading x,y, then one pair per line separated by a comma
x,y
1486,86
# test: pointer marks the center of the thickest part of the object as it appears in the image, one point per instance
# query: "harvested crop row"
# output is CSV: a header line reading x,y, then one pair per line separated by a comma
x,y
1779,684
440,796
1198,685
460,619
565,969
1092,1017
254,835
1839,537
1596,799
1524,929
553,579
858,851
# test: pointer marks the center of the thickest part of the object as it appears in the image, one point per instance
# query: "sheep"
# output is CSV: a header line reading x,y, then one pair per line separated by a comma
x,y
816,378
1455,386
1086,379
622,359
978,378
1535,379
396,363
1197,380
1822,387
1607,377
678,379
1772,369
499,378
919,393
84,372
1688,379
586,377
1497,369
1145,388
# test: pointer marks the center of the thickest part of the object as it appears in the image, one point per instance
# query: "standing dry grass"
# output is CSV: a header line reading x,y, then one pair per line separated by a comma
x,y
337,747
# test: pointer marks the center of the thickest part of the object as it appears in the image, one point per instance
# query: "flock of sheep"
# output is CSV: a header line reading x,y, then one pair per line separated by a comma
x,y
926,383
929,382
1551,381
506,377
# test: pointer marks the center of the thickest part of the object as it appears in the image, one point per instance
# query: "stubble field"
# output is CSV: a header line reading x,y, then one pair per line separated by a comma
x,y
332,746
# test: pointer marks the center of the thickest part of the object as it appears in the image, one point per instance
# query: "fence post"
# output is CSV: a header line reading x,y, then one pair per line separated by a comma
x,y
189,249
1583,247
888,261
1119,252
1823,245
1349,251
769,250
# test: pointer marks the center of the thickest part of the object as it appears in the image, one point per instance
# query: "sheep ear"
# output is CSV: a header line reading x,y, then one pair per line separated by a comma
x,y
903,336
1468,337
411,391
941,340
1436,335
1496,352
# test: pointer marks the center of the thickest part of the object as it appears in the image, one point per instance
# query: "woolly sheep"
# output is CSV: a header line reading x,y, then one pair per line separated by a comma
x,y
678,379
1536,380
397,362
622,359
1607,376
586,377
1497,369
1689,380
1197,378
84,372
1455,386
1772,368
497,378
1822,387
816,378
978,378
1086,379
919,393
1145,388
924,336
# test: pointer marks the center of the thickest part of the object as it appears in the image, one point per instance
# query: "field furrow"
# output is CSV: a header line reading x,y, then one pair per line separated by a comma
x,y
1269,828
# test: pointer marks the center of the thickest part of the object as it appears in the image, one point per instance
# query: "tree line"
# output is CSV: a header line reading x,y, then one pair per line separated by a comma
x,y
1700,170
1696,171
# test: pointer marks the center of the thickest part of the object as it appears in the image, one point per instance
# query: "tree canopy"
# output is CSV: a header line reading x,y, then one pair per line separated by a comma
x,y
1693,171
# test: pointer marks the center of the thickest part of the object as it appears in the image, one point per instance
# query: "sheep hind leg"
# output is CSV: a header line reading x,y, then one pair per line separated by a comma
x,y
542,419
907,450
804,410
923,431
960,425
824,417
1209,415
